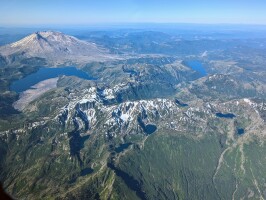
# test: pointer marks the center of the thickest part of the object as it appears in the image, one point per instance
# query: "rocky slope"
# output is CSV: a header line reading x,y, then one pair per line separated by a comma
x,y
92,137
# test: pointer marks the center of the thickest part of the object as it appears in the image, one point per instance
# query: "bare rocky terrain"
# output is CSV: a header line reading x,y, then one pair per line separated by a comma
x,y
36,91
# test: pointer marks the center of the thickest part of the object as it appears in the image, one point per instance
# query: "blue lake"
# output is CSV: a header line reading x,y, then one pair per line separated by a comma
x,y
197,66
225,115
46,73
86,171
122,147
240,131
180,104
150,128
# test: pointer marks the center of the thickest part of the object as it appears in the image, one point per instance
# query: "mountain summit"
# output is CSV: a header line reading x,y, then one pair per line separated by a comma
x,y
55,46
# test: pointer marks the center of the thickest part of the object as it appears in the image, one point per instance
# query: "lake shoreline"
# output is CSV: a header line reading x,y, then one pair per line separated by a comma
x,y
45,73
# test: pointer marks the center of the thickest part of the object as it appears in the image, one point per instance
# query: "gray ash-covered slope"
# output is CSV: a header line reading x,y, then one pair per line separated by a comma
x,y
56,47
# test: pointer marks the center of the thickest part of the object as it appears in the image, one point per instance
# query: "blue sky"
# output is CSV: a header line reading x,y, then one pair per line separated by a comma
x,y
83,12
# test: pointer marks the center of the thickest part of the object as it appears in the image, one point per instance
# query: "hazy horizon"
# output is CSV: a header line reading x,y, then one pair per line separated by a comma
x,y
84,13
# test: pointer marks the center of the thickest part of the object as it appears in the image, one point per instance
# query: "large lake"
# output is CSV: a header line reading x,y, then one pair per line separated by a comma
x,y
46,73
197,66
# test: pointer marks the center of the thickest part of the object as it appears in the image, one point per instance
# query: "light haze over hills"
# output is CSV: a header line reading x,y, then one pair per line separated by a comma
x,y
82,12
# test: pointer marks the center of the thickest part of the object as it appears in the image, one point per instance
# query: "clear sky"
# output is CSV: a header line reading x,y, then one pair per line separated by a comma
x,y
83,12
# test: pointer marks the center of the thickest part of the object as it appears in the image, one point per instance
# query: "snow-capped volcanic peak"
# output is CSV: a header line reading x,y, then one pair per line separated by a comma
x,y
50,41
25,41
48,37
55,46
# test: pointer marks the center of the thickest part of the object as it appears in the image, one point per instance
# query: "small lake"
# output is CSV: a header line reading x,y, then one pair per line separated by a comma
x,y
122,147
225,115
150,128
86,171
180,103
46,73
240,131
197,66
